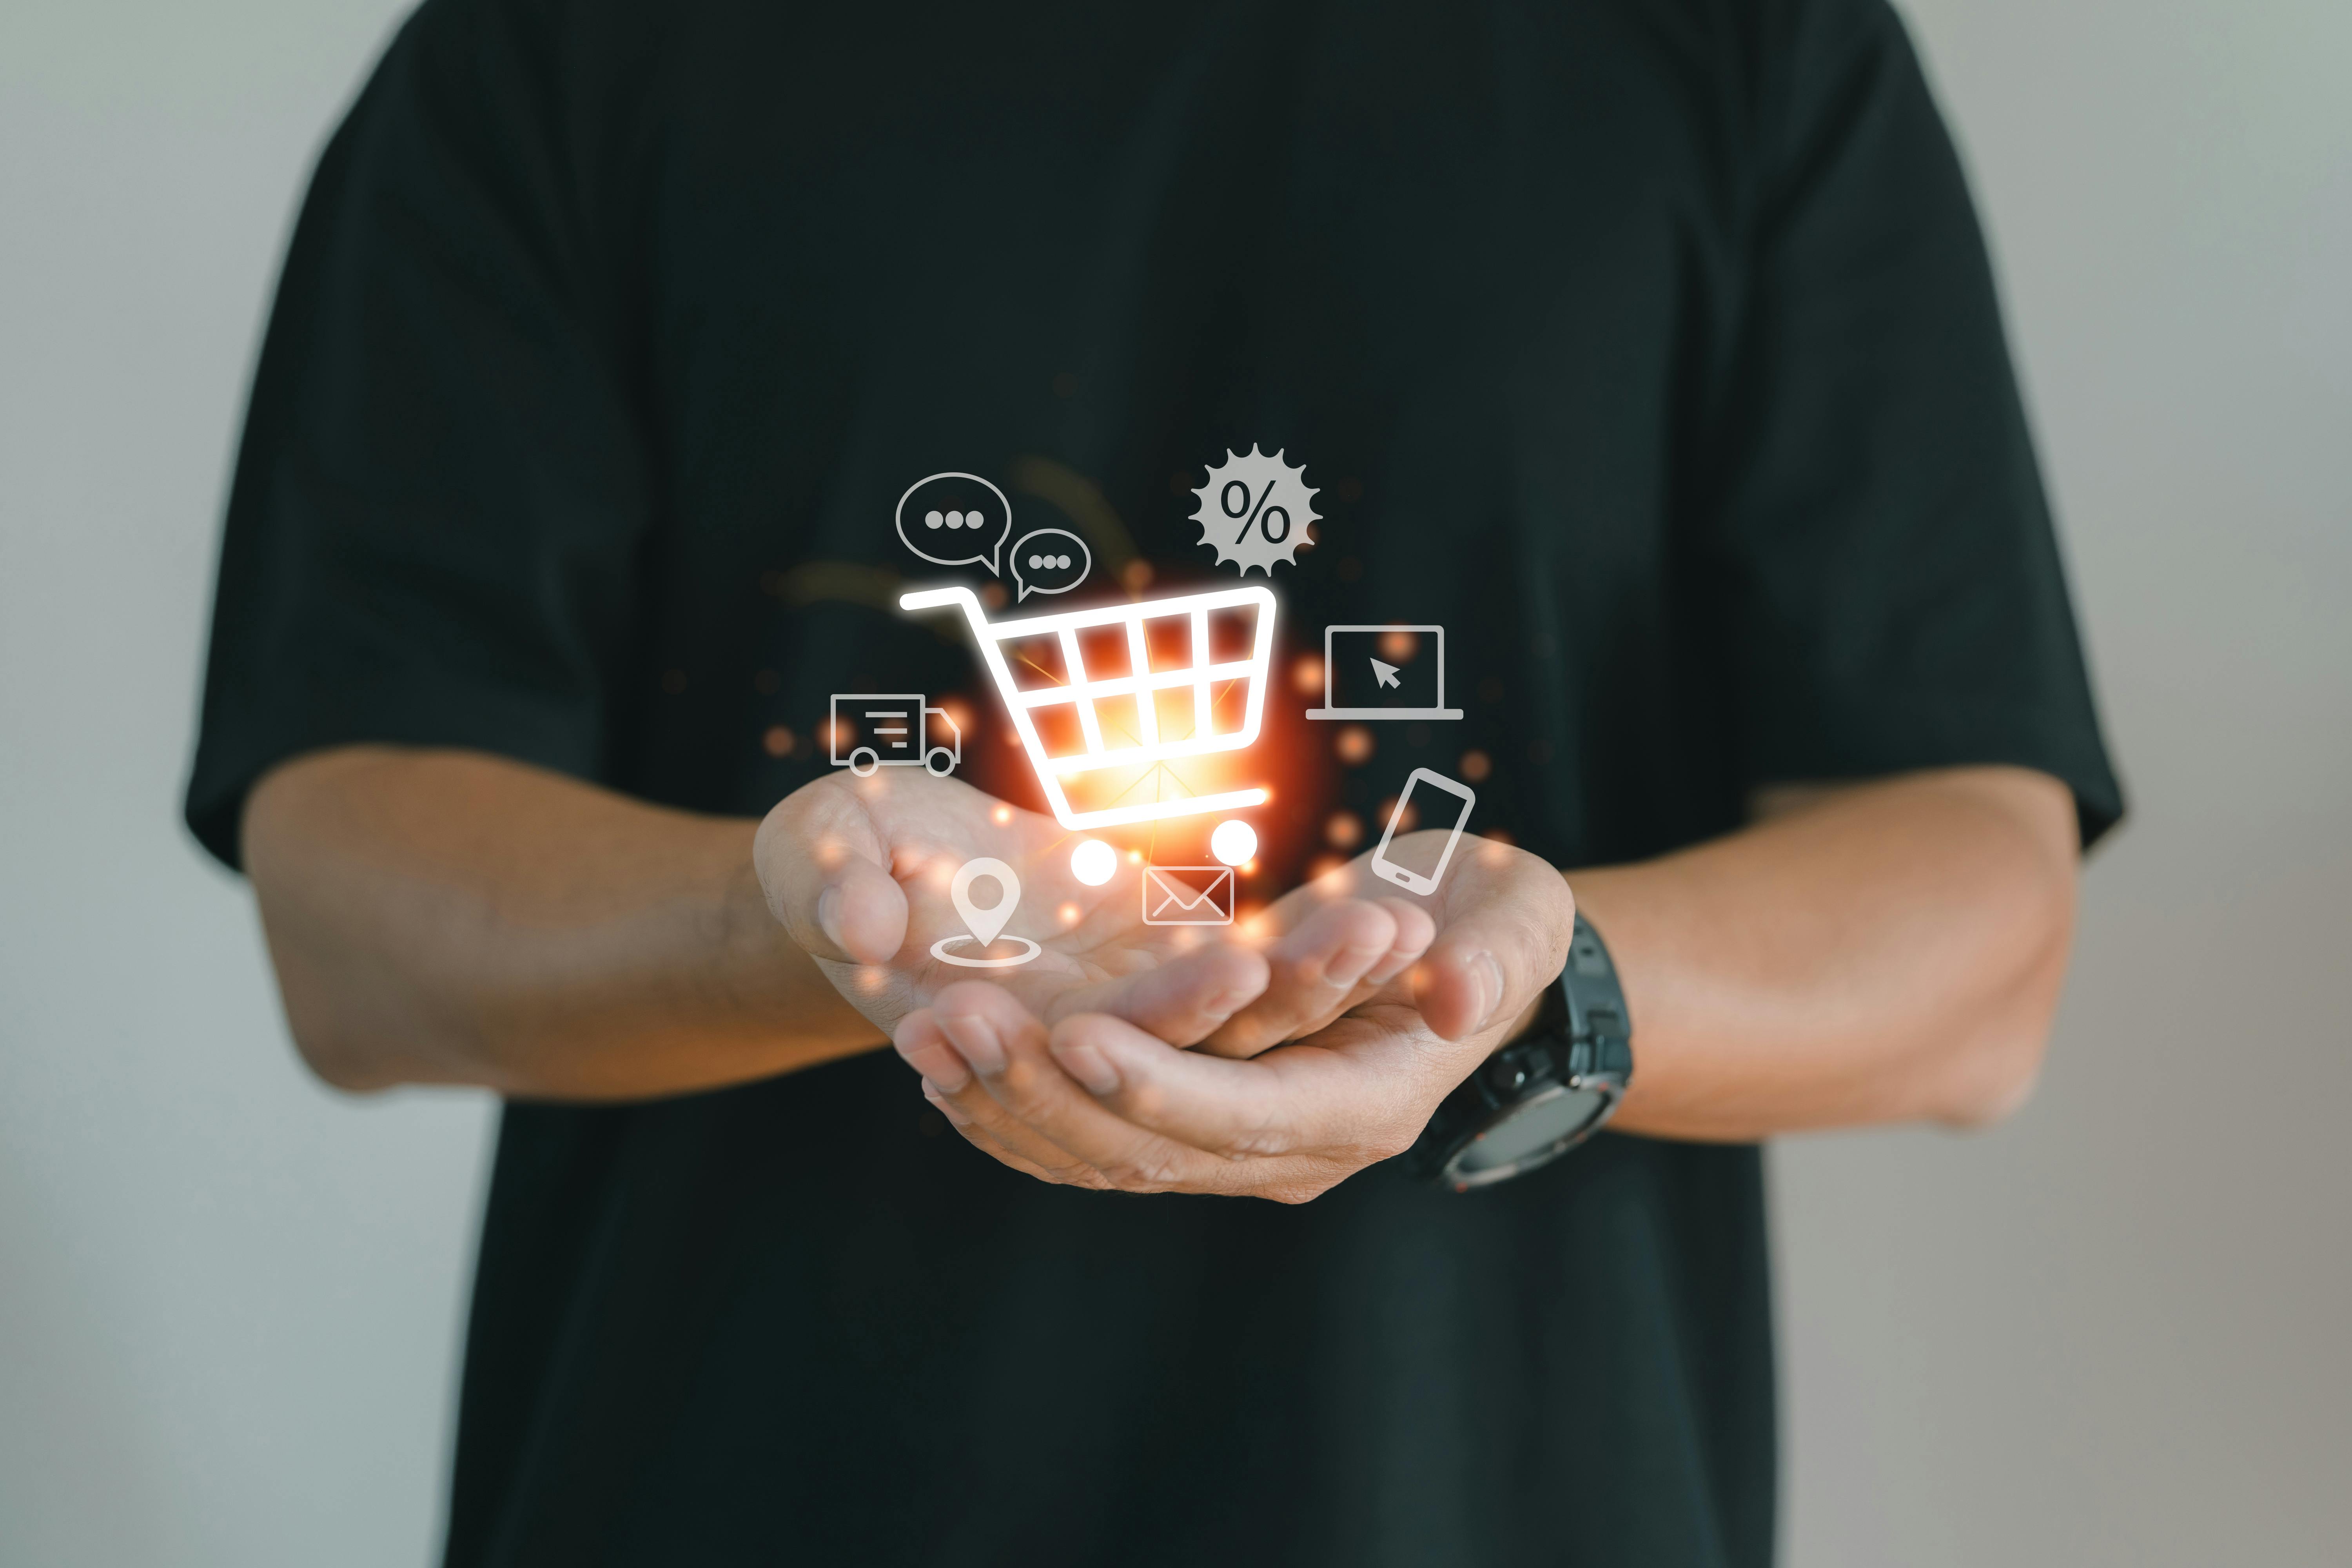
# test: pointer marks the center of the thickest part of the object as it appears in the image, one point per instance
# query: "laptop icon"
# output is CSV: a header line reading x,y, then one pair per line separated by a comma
x,y
1384,672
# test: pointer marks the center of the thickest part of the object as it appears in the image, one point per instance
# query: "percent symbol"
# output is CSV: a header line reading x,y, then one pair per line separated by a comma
x,y
1261,514
1271,500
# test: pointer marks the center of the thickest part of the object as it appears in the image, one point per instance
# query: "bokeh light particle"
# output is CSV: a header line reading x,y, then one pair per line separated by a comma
x,y
1234,842
1093,862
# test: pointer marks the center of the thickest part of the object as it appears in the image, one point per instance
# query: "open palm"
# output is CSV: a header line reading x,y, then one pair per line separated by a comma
x,y
860,872
1091,1100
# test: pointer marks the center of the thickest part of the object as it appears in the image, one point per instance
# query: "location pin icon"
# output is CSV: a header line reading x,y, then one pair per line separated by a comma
x,y
986,923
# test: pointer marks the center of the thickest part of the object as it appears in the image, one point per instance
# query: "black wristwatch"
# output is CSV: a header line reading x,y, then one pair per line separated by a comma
x,y
1545,1093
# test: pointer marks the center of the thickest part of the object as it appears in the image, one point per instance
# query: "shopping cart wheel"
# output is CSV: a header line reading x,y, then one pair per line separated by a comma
x,y
864,761
941,763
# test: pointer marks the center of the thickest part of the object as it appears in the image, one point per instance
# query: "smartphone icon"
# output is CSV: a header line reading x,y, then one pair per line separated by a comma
x,y
1412,881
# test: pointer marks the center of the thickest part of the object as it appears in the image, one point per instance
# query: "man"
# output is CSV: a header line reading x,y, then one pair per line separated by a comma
x,y
1648,346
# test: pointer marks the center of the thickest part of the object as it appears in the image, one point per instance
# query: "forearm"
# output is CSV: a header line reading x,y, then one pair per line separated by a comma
x,y
1888,952
448,917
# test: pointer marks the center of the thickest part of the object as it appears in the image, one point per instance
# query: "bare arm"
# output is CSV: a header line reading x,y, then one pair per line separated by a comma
x,y
446,917
1887,952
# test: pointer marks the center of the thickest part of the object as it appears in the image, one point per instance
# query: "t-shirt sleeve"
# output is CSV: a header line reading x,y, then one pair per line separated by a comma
x,y
441,491
1891,595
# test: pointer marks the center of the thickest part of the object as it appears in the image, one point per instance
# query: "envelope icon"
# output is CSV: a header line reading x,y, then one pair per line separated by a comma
x,y
1188,895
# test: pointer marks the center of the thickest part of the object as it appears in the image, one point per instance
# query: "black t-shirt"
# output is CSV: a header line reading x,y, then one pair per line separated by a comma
x,y
1649,346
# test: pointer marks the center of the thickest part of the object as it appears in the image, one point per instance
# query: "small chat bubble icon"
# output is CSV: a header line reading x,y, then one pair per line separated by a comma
x,y
1050,561
955,519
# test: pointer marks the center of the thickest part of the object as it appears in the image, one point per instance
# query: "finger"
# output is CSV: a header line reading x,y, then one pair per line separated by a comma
x,y
924,1046
1181,1001
978,1138
1414,932
947,1080
1508,941
1314,969
997,1040
1305,1100
826,867
1027,1099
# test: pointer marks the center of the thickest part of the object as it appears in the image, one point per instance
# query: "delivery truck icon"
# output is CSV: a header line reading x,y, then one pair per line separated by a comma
x,y
872,730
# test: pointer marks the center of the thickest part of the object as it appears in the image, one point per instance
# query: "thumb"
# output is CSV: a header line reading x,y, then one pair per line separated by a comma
x,y
1509,917
824,865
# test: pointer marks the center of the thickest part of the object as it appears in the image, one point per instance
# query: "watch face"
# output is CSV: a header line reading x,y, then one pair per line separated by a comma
x,y
1529,1129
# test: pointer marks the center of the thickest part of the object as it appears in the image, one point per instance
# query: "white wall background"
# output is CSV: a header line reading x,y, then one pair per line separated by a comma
x,y
2114,1331
229,1300
2118,1330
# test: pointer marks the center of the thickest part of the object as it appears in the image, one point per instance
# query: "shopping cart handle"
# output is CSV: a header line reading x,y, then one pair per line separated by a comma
x,y
932,598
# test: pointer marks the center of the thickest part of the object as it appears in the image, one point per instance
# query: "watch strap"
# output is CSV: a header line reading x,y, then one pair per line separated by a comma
x,y
1599,1026
1582,1040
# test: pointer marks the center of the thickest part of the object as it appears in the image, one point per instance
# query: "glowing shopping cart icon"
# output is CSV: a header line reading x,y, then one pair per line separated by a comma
x,y
1125,685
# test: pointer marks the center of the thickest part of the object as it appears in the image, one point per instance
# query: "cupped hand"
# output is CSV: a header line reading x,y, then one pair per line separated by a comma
x,y
1092,1100
859,872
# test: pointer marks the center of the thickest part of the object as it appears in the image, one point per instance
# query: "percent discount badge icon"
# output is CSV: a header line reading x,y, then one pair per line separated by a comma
x,y
1256,510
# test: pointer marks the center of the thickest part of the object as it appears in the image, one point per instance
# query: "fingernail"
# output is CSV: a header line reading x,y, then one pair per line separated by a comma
x,y
1490,983
828,916
1354,964
976,1037
934,1059
1232,1000
942,1068
1089,1067
943,1105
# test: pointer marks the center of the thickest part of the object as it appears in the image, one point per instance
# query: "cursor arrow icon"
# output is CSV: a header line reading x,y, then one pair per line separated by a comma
x,y
1386,674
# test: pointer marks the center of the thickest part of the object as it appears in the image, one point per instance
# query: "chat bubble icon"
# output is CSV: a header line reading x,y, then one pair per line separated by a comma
x,y
1050,561
955,519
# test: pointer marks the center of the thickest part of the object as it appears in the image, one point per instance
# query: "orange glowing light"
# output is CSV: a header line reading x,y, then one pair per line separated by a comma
x,y
1343,829
778,742
1354,744
1476,766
